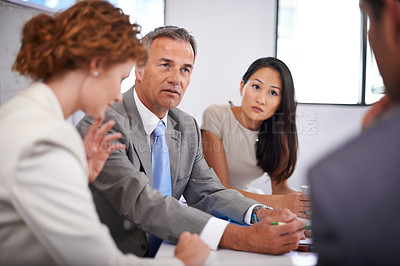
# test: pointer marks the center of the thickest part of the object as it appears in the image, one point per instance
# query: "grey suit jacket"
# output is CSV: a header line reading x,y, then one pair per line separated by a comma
x,y
124,195
356,200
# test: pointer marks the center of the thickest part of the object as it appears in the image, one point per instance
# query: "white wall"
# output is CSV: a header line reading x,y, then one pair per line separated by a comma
x,y
12,18
230,35
321,129
233,33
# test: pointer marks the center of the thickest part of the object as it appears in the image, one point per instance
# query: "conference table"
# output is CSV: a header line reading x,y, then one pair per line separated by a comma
x,y
222,257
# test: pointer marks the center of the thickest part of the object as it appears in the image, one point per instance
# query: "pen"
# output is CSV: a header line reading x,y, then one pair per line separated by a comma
x,y
307,227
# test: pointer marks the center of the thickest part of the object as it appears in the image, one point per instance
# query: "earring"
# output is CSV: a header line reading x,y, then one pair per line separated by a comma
x,y
95,73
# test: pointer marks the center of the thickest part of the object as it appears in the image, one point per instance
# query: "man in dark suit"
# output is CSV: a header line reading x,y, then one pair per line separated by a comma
x,y
124,194
355,190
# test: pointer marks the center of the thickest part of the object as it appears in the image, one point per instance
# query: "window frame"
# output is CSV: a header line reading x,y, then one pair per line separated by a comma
x,y
363,50
54,10
33,5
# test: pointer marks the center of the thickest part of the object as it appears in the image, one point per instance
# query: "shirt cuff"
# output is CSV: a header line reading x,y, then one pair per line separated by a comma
x,y
247,215
213,231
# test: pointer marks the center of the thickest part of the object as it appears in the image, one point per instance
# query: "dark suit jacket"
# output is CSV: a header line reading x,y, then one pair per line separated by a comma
x,y
356,199
124,195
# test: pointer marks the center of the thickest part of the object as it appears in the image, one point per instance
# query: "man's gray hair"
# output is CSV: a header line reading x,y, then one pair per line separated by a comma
x,y
172,32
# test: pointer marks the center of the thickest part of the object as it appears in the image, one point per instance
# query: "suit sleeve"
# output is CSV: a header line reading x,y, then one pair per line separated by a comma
x,y
205,191
128,191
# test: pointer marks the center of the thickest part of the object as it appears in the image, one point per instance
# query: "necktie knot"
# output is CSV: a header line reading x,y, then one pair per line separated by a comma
x,y
160,129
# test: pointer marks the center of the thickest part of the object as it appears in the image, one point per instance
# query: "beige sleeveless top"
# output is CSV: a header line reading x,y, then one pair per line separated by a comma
x,y
239,145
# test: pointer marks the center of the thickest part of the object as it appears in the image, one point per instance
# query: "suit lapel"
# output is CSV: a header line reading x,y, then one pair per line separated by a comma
x,y
138,135
140,141
173,138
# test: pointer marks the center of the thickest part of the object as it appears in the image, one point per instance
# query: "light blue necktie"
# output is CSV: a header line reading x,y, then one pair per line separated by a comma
x,y
161,174
160,161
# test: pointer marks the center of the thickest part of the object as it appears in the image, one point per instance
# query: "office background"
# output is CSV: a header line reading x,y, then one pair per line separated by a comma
x,y
230,34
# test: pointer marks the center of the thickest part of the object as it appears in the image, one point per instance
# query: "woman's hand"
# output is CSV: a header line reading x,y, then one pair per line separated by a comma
x,y
98,146
297,203
285,197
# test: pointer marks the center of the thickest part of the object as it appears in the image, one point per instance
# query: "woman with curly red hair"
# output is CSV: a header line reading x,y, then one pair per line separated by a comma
x,y
77,60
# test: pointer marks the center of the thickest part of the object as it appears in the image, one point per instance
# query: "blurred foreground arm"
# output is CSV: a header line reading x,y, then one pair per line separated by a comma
x,y
191,249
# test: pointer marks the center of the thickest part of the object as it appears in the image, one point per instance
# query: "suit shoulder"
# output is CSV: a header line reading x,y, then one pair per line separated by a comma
x,y
365,155
115,112
181,117
56,133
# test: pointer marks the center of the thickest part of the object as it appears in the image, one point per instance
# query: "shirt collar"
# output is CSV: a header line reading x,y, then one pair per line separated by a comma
x,y
149,119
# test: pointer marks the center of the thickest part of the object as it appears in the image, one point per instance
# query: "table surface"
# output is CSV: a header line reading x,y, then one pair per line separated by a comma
x,y
232,257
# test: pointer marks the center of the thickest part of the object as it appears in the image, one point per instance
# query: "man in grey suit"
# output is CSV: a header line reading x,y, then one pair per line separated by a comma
x,y
124,195
355,190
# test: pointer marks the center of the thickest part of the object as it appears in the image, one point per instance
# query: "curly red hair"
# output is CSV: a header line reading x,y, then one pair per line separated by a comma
x,y
72,38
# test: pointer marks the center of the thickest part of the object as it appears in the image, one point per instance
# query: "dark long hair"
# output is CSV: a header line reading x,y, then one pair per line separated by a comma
x,y
277,145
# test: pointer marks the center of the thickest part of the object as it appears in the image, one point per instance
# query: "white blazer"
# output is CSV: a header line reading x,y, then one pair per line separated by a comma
x,y
47,214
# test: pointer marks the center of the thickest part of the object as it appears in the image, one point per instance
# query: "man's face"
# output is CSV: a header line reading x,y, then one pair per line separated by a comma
x,y
161,84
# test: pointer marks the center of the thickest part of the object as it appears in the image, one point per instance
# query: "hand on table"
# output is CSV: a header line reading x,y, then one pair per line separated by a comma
x,y
191,249
297,203
282,214
276,239
98,146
